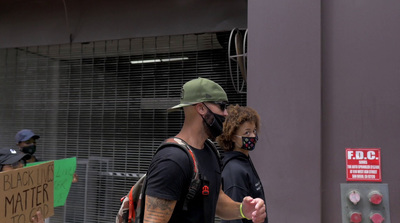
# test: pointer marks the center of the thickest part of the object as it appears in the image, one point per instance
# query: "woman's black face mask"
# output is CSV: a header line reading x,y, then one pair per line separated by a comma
x,y
249,143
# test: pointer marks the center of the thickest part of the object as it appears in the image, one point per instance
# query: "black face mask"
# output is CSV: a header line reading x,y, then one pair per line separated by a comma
x,y
29,149
214,122
249,143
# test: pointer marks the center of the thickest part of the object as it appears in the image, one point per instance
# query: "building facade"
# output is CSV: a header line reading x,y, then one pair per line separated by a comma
x,y
88,77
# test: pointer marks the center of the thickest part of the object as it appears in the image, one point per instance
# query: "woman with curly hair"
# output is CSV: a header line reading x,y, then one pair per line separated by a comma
x,y
239,137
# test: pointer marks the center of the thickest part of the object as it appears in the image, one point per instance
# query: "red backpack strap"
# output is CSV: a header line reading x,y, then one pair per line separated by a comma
x,y
131,206
183,144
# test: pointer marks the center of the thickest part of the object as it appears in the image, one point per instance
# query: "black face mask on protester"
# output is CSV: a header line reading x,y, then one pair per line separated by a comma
x,y
216,124
29,149
249,143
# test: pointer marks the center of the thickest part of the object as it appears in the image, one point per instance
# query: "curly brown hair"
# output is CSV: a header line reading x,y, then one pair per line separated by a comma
x,y
237,115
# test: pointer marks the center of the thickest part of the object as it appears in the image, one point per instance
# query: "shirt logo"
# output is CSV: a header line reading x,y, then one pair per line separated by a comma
x,y
258,185
205,191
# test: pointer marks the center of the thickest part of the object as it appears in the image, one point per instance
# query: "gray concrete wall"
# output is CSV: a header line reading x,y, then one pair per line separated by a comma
x,y
284,66
324,77
361,103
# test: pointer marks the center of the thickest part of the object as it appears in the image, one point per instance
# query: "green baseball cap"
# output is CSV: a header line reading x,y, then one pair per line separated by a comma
x,y
200,90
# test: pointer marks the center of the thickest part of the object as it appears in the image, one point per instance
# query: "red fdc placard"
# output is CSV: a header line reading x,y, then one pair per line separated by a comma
x,y
363,164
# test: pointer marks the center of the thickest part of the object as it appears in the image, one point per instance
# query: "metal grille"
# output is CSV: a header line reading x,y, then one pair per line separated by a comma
x,y
90,101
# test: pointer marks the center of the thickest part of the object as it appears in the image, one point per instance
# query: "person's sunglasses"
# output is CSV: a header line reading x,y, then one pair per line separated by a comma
x,y
222,105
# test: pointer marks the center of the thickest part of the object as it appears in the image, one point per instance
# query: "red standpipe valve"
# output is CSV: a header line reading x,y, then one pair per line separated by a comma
x,y
376,218
355,217
375,197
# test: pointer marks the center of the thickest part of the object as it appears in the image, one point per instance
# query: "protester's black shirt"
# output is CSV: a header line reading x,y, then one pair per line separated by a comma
x,y
169,176
240,179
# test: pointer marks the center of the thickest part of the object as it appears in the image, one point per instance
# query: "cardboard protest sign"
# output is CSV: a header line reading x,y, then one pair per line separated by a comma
x,y
64,170
25,191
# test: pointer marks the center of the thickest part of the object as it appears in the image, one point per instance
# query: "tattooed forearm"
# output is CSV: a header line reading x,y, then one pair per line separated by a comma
x,y
158,210
153,203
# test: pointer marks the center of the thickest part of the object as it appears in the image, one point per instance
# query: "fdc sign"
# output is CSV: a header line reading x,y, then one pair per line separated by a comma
x,y
363,164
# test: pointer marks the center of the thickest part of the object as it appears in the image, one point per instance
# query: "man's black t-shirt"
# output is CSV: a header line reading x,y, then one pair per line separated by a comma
x,y
169,176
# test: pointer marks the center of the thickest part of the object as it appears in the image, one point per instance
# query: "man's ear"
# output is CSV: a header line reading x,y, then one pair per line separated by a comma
x,y
201,109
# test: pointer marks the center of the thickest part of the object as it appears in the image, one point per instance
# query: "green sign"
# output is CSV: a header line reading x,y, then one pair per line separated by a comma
x,y
64,170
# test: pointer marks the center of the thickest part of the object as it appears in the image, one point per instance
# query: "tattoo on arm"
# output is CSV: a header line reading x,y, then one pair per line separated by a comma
x,y
158,210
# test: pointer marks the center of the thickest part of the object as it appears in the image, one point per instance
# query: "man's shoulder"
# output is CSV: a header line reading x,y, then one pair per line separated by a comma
x,y
171,149
172,152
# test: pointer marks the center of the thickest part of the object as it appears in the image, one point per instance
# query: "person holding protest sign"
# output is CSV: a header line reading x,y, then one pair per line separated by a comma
x,y
26,142
11,159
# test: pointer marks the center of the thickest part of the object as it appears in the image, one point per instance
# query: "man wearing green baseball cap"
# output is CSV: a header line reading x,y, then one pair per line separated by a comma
x,y
211,98
201,90
170,172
